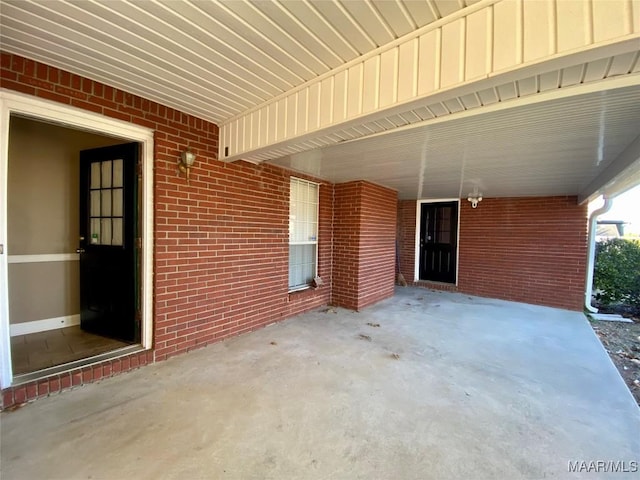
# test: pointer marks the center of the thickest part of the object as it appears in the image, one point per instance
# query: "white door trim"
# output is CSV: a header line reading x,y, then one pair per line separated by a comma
x,y
44,110
419,203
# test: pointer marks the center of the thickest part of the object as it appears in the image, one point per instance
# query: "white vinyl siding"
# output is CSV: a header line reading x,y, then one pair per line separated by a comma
x,y
303,233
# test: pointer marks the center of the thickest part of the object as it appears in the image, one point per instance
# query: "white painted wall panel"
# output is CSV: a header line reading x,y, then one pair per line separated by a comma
x,y
272,126
292,115
255,129
408,70
340,96
538,30
453,46
281,124
232,140
313,121
478,44
326,101
241,140
371,84
611,19
264,124
388,77
429,55
507,35
302,110
224,136
574,24
355,90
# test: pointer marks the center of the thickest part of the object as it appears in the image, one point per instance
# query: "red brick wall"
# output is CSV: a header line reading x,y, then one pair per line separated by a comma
x,y
364,244
346,247
530,250
407,238
221,242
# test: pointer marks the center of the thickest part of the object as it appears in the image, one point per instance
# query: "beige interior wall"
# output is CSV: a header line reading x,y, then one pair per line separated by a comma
x,y
43,216
43,290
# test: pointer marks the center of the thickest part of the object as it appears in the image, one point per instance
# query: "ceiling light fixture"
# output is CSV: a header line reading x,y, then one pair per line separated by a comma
x,y
474,197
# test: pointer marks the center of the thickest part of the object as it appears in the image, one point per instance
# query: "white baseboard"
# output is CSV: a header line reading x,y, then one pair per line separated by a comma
x,y
43,325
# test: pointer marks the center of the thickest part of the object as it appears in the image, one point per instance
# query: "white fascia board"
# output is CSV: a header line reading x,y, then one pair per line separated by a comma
x,y
483,45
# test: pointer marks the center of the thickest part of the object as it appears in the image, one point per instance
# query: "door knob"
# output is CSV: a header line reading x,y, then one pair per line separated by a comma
x,y
79,250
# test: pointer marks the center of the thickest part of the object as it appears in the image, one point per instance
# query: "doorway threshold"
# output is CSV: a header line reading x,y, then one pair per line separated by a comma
x,y
66,367
442,286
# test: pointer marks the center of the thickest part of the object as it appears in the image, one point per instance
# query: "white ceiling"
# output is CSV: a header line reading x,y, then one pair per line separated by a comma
x,y
212,59
549,148
216,59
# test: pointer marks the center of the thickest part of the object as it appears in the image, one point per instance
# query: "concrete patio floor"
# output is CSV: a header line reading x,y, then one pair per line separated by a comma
x,y
447,387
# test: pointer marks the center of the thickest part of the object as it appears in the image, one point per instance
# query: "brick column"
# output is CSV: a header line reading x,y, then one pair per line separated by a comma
x,y
364,244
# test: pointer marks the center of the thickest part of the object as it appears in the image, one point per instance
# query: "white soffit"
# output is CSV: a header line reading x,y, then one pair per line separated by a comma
x,y
212,59
355,68
492,51
555,147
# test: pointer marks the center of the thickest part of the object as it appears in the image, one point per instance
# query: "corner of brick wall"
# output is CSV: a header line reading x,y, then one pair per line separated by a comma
x,y
406,238
364,244
221,241
530,250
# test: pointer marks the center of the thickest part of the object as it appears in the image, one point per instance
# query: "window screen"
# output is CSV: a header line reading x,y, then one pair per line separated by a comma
x,y
303,233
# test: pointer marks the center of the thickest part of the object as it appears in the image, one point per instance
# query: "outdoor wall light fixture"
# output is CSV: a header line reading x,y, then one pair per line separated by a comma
x,y
474,198
186,161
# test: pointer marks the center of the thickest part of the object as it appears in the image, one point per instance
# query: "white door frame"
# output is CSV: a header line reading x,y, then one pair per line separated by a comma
x,y
44,110
419,203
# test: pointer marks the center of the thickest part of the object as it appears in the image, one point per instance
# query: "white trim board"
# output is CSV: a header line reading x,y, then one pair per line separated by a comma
x,y
44,325
72,117
45,257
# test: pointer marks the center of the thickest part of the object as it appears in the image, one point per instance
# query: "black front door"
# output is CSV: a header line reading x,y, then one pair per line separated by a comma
x,y
438,240
108,191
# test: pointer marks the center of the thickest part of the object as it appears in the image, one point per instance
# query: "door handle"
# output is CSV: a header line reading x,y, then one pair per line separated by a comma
x,y
79,250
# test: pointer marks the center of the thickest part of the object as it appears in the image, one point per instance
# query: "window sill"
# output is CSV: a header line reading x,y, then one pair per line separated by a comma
x,y
301,289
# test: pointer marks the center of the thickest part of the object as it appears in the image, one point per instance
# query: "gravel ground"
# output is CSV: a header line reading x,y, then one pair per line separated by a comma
x,y
622,342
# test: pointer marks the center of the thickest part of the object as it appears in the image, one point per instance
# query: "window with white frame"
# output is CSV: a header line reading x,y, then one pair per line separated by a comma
x,y
303,233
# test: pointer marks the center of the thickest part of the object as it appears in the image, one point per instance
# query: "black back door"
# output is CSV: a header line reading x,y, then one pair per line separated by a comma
x,y
438,241
108,193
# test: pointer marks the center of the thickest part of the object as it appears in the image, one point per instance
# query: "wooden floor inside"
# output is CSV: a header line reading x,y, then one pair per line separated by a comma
x,y
37,351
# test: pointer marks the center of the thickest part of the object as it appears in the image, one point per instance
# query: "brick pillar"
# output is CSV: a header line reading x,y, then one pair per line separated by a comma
x,y
407,237
364,244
